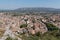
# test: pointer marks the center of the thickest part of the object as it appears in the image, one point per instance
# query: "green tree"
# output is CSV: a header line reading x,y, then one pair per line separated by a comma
x,y
51,27
8,38
23,25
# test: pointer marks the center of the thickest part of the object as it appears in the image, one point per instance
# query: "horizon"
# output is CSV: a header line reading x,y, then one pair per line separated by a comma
x,y
30,7
15,4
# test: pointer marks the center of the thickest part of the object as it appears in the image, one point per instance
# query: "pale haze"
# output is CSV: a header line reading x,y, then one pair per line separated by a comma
x,y
14,4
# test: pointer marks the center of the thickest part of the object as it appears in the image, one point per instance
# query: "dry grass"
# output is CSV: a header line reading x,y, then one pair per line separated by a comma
x,y
1,32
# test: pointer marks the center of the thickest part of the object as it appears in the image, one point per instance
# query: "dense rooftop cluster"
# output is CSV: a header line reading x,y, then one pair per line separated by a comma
x,y
14,26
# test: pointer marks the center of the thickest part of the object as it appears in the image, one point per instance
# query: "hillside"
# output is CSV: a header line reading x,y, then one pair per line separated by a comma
x,y
34,9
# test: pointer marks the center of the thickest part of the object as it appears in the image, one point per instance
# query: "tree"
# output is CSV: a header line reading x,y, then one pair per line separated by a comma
x,y
26,21
23,25
51,27
8,38
33,21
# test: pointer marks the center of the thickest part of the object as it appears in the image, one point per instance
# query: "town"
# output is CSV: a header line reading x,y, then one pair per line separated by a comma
x,y
15,26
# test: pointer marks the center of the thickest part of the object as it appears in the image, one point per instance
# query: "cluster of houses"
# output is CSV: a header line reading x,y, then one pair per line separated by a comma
x,y
34,23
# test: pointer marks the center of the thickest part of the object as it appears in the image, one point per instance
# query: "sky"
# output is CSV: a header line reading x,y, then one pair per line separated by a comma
x,y
14,4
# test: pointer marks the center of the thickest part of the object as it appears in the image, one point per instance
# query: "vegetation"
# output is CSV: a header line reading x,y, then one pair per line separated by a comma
x,y
33,21
52,34
9,38
23,25
1,32
26,22
30,37
51,27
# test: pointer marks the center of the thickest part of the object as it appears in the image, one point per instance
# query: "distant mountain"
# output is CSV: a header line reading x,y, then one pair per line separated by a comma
x,y
33,9
40,9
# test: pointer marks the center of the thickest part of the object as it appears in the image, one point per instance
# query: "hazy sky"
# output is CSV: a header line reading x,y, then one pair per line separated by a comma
x,y
13,4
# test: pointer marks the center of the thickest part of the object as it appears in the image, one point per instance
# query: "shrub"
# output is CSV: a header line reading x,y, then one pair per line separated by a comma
x,y
30,37
51,27
8,38
23,25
